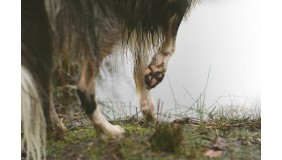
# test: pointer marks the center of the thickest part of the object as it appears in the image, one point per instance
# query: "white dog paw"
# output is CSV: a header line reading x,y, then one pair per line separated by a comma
x,y
113,132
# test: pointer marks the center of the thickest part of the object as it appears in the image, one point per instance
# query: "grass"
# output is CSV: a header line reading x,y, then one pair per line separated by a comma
x,y
197,132
167,137
212,133
164,141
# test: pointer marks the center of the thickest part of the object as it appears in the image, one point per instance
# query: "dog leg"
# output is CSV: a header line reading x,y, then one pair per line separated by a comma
x,y
145,97
155,71
59,127
86,93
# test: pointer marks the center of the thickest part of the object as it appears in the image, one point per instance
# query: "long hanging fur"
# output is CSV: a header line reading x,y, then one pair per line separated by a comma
x,y
137,25
36,53
145,22
78,28
32,117
73,26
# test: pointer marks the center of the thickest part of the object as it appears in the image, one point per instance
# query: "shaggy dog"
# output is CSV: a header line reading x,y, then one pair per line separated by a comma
x,y
88,31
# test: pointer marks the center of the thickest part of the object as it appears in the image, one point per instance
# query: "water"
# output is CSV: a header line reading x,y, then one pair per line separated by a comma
x,y
217,53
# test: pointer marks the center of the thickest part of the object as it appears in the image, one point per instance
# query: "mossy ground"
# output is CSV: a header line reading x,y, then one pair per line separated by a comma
x,y
219,137
240,142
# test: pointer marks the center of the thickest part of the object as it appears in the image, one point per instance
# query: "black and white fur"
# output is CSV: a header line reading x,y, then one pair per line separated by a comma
x,y
88,31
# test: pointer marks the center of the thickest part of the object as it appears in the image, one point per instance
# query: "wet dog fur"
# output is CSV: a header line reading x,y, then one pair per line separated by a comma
x,y
89,31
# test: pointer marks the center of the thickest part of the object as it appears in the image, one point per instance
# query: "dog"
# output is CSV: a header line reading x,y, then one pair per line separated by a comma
x,y
88,31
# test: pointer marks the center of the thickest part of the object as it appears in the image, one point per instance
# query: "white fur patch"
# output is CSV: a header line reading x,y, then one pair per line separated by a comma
x,y
104,128
32,118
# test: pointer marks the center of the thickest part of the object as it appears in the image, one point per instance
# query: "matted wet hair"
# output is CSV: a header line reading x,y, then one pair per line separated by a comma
x,y
82,28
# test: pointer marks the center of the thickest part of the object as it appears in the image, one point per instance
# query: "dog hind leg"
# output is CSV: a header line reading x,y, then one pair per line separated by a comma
x,y
59,127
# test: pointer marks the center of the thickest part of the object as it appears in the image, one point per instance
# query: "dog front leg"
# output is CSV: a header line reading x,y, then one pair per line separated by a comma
x,y
86,93
156,70
145,98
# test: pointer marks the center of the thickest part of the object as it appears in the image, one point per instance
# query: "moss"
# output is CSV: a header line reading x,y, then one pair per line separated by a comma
x,y
163,141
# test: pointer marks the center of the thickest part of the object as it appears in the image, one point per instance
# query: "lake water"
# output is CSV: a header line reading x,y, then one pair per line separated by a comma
x,y
217,48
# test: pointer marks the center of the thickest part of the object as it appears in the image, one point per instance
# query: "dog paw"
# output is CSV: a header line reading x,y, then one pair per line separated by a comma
x,y
147,109
112,132
153,76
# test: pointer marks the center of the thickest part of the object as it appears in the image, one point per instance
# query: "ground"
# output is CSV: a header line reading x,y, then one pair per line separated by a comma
x,y
216,137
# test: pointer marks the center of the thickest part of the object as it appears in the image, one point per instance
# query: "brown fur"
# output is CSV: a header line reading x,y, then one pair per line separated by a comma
x,y
88,31
147,28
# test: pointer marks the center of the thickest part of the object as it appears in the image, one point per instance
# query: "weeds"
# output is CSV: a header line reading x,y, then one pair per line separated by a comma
x,y
167,137
223,132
